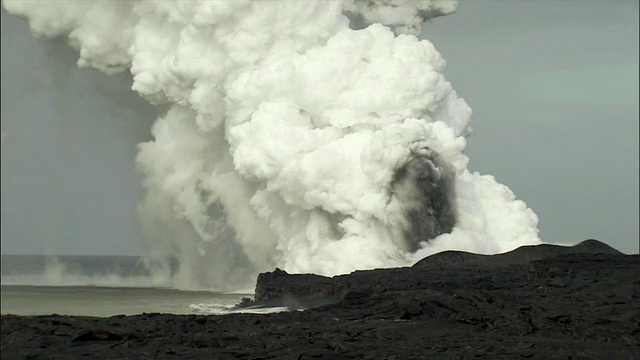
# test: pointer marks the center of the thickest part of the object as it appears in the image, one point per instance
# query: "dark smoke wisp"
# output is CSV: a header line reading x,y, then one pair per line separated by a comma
x,y
426,188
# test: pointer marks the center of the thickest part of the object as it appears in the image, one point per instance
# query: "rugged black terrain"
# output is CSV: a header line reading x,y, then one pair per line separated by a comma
x,y
542,302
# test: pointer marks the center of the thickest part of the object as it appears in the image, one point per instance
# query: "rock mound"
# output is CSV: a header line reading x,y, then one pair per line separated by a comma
x,y
278,288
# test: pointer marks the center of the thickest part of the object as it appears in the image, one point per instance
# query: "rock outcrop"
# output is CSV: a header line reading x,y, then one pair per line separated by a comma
x,y
278,288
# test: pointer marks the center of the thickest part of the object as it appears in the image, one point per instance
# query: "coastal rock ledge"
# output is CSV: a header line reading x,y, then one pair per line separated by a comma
x,y
536,302
446,270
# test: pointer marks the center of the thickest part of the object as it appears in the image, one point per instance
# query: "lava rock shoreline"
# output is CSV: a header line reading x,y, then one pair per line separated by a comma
x,y
542,302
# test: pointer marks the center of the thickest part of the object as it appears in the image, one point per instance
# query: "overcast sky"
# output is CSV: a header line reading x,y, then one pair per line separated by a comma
x,y
553,86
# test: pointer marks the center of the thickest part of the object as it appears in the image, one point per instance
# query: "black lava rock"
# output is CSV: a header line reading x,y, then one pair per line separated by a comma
x,y
540,302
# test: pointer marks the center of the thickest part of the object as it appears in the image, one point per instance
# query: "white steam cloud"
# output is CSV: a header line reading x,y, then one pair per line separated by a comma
x,y
289,122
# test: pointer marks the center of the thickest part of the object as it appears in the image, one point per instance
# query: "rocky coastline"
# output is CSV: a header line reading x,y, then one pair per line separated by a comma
x,y
541,302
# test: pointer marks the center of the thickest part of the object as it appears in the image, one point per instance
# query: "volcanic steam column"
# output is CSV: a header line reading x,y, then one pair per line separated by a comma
x,y
296,137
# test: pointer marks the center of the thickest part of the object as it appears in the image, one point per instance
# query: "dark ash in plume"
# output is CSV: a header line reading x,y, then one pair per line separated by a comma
x,y
425,186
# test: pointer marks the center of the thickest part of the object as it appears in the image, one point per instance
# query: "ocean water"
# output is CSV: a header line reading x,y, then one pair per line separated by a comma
x,y
98,286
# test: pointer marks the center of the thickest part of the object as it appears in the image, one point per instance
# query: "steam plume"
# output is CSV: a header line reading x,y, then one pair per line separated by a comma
x,y
293,140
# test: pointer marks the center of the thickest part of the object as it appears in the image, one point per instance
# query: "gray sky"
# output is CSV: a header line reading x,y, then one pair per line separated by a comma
x,y
553,86
554,90
69,184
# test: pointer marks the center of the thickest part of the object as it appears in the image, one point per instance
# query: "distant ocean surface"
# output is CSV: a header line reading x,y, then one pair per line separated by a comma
x,y
97,286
